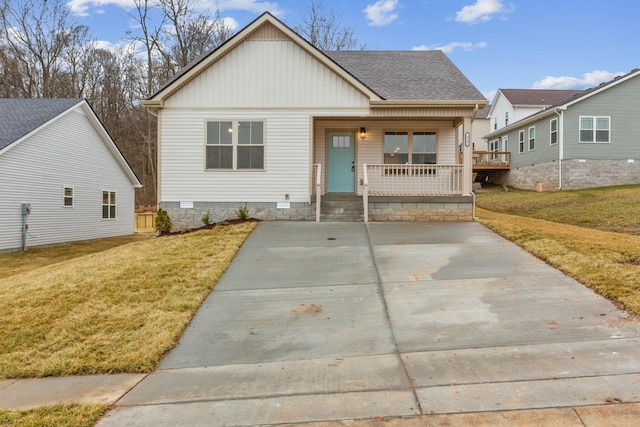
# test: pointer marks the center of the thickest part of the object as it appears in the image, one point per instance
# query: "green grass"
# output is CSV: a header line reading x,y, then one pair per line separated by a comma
x,y
608,209
591,235
119,309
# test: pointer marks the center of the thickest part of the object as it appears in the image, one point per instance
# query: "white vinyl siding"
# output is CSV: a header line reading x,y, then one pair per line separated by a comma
x,y
68,152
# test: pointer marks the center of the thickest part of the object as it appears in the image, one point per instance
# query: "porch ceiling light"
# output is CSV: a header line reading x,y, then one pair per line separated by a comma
x,y
363,133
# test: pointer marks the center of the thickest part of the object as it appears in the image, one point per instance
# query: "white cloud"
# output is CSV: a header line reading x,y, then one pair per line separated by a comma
x,y
448,48
482,11
591,79
81,7
382,12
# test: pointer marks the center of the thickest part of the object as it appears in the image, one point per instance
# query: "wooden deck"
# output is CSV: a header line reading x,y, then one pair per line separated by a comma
x,y
489,160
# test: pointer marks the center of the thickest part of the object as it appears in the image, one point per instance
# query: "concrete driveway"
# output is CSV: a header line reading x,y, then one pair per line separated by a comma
x,y
343,321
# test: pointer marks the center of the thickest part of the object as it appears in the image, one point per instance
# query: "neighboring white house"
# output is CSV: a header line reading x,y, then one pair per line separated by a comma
x,y
269,121
61,174
587,140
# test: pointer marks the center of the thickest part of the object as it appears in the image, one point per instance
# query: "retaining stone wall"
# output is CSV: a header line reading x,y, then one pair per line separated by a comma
x,y
576,174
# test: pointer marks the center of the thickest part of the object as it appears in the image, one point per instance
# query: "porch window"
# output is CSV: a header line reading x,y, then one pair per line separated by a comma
x,y
521,141
532,138
108,204
235,145
553,126
595,129
418,148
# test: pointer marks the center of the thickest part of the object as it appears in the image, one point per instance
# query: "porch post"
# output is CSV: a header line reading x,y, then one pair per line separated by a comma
x,y
467,154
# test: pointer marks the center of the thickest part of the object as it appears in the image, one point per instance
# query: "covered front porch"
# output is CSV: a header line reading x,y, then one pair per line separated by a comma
x,y
401,169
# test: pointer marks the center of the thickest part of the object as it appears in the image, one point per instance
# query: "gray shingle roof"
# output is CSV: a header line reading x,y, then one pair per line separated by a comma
x,y
539,96
20,116
408,75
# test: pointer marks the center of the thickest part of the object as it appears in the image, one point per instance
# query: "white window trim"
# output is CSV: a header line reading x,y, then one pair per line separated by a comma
x,y
521,141
410,151
529,139
234,144
551,132
64,196
595,120
102,205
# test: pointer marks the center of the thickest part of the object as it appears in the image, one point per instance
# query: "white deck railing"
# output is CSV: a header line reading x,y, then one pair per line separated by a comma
x,y
412,180
317,180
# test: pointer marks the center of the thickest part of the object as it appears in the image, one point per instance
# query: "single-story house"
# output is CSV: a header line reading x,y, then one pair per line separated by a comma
x,y
63,178
270,122
591,139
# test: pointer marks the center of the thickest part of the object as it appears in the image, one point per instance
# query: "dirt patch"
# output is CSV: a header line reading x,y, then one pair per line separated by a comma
x,y
310,310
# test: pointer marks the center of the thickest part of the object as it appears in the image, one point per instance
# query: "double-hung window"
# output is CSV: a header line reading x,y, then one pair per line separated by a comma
x,y
532,138
67,197
235,145
108,204
521,141
553,131
595,129
418,148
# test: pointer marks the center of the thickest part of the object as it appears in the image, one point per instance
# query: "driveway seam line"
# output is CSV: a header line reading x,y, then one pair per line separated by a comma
x,y
388,317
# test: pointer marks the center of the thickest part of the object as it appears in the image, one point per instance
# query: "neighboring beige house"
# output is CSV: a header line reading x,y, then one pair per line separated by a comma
x,y
63,178
270,122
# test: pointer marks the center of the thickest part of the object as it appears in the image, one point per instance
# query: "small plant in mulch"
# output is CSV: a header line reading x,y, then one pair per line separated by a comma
x,y
206,218
242,212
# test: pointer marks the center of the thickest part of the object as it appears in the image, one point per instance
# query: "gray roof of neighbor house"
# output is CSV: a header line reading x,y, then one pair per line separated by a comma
x,y
539,96
19,116
408,75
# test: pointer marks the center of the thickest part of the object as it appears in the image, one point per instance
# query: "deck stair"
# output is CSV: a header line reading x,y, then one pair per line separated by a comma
x,y
341,208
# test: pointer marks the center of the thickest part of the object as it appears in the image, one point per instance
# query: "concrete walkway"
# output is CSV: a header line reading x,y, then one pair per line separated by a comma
x,y
406,323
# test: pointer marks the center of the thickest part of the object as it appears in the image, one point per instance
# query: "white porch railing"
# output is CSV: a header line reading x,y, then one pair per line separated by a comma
x,y
317,180
412,180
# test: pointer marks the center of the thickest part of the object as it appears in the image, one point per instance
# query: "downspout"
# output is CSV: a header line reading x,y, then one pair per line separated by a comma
x,y
560,144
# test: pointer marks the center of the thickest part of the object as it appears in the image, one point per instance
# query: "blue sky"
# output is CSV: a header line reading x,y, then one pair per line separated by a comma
x,y
550,44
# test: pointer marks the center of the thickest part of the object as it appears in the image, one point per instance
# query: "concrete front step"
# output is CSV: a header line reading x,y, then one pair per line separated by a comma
x,y
341,208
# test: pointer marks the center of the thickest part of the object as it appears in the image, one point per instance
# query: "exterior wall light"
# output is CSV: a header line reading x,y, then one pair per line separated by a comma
x,y
363,133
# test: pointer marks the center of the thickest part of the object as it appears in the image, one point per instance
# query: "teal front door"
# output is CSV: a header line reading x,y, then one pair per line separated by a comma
x,y
341,158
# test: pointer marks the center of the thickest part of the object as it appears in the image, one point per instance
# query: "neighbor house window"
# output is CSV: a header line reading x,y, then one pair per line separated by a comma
x,y
595,129
418,148
67,197
495,123
235,145
532,138
493,147
108,204
553,126
506,118
521,141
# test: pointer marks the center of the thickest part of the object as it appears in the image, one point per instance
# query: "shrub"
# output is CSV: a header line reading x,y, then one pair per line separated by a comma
x,y
242,212
163,222
206,218
223,223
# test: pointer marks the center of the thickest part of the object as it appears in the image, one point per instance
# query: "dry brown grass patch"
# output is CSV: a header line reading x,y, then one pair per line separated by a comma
x,y
119,310
74,415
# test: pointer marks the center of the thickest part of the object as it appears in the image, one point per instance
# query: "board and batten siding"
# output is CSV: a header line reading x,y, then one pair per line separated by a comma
x,y
622,104
68,152
371,150
268,74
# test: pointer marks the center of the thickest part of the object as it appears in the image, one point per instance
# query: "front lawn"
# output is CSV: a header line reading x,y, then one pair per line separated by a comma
x,y
74,415
115,310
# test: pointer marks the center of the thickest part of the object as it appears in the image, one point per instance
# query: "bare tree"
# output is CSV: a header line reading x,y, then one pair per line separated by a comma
x,y
324,30
36,34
